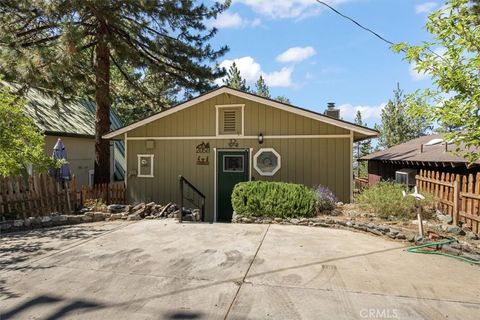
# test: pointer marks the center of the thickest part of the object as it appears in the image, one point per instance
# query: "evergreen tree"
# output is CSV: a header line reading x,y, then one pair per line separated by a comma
x,y
397,125
234,79
262,88
69,48
283,99
361,149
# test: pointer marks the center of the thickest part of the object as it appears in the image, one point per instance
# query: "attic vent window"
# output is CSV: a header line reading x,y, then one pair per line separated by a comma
x,y
230,120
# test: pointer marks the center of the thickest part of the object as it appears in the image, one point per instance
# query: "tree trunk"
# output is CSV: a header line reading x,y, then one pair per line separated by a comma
x,y
102,99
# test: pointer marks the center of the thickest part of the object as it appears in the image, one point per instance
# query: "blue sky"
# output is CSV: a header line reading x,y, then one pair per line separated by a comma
x,y
313,56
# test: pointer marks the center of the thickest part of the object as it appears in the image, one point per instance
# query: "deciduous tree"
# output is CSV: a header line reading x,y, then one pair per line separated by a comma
x,y
452,59
21,143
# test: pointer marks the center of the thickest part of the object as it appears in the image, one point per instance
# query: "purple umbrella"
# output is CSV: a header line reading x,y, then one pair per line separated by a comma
x,y
62,174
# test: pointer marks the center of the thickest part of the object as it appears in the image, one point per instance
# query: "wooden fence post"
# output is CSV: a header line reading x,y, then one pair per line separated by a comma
x,y
456,202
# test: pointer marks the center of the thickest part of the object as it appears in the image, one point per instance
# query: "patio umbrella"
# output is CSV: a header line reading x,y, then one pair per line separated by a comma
x,y
61,174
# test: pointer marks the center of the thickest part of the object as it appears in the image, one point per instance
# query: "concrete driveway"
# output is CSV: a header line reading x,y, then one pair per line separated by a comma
x,y
163,270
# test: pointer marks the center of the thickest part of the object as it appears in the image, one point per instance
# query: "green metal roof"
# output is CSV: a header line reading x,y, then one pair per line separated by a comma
x,y
71,118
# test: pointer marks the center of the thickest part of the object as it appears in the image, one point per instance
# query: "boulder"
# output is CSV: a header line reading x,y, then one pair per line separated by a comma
x,y
278,220
444,218
456,230
471,235
383,228
401,236
133,217
99,216
374,231
116,216
18,223
87,218
294,221
116,208
74,218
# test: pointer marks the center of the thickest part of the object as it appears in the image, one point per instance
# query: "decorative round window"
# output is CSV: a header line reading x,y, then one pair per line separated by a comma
x,y
267,161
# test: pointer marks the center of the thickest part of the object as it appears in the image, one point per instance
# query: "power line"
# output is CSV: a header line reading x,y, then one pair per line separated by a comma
x,y
355,22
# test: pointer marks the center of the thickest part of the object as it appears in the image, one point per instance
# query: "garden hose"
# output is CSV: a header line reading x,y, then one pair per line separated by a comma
x,y
438,244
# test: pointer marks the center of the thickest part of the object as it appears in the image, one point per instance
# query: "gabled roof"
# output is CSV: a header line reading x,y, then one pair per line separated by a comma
x,y
425,149
364,132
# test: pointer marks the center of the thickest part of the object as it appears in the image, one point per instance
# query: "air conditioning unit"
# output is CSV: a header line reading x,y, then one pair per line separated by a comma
x,y
406,177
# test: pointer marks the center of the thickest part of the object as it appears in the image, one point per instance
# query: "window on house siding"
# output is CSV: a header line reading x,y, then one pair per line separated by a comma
x,y
229,121
145,165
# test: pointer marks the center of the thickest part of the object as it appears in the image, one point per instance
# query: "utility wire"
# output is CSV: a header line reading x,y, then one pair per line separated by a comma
x,y
370,30
355,22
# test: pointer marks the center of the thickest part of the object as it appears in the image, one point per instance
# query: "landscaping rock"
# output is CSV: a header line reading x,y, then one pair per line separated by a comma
x,y
278,220
349,224
87,218
74,219
116,216
116,208
247,220
6,225
444,218
456,230
410,237
18,223
392,235
401,236
294,221
99,216
394,231
133,217
471,235
383,228
320,224
374,231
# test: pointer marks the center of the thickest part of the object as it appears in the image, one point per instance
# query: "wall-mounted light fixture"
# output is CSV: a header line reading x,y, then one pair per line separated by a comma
x,y
260,138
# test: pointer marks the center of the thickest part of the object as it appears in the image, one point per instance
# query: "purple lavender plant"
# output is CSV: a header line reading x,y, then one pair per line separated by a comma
x,y
326,199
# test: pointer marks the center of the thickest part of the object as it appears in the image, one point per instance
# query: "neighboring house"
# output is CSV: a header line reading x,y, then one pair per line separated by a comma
x,y
427,152
74,123
227,136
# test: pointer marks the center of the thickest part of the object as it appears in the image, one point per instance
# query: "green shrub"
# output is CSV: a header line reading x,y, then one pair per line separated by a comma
x,y
273,199
387,201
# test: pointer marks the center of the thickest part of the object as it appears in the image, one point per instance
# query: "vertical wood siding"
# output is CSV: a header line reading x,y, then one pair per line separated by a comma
x,y
310,161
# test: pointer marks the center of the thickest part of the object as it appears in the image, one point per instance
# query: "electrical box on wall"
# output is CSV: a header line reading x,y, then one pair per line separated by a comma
x,y
150,144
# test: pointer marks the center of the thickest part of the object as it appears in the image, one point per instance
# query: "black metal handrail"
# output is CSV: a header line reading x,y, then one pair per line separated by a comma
x,y
201,206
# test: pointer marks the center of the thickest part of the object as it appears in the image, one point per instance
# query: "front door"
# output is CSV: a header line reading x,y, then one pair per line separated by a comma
x,y
232,168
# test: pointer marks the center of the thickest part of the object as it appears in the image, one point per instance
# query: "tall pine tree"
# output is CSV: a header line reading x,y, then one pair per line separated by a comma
x,y
69,48
234,79
397,125
361,149
262,88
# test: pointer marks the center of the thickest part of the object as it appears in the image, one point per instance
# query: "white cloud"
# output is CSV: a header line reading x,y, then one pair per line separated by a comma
x,y
296,54
369,113
251,71
281,9
233,20
426,7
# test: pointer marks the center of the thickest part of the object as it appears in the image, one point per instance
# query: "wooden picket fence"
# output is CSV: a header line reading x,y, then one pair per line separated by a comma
x,y
457,195
108,192
41,194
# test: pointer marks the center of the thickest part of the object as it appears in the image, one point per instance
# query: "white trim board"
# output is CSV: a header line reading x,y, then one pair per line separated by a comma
x,y
307,136
251,97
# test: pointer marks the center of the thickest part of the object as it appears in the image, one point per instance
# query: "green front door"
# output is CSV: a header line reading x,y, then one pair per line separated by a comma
x,y
232,168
